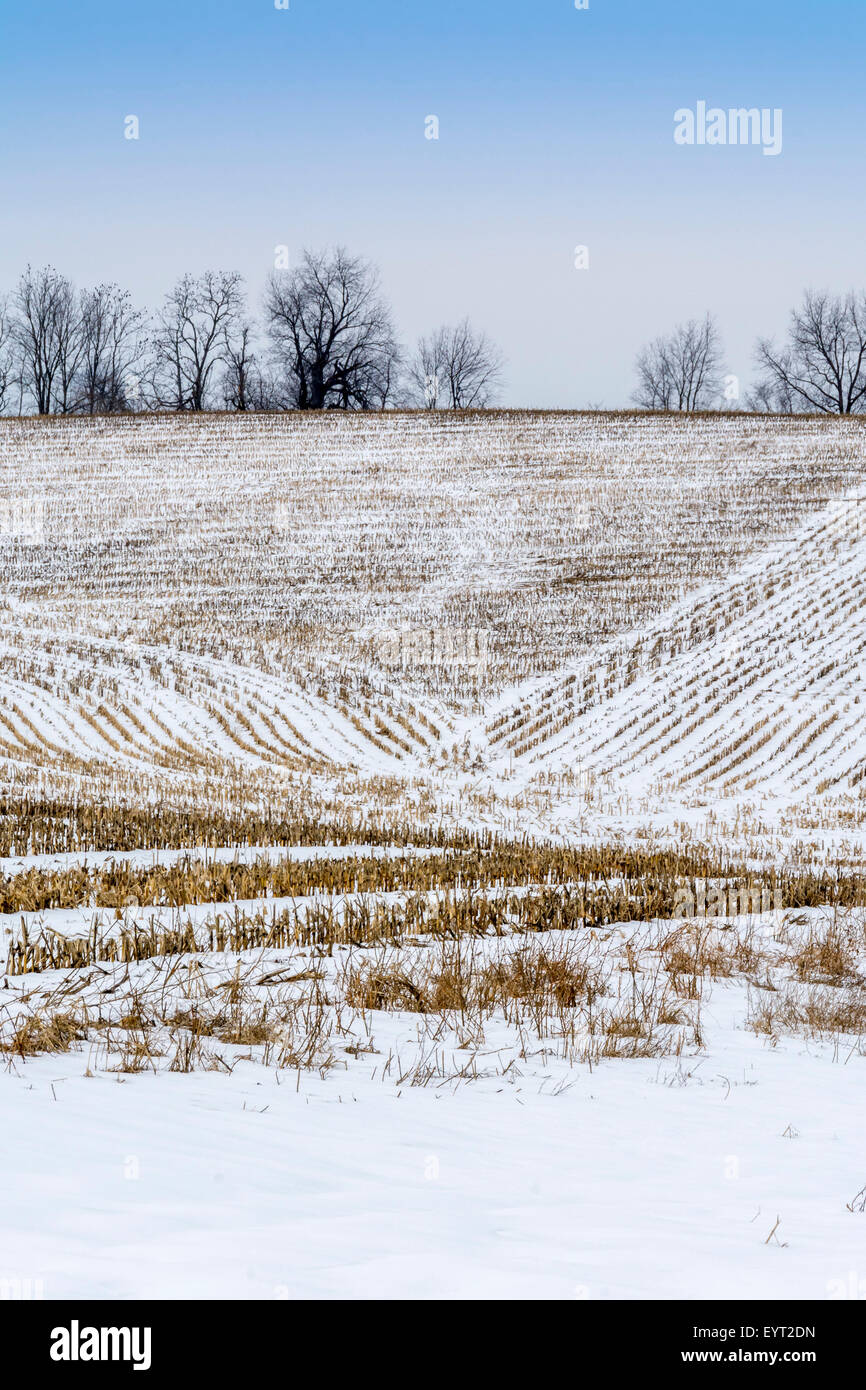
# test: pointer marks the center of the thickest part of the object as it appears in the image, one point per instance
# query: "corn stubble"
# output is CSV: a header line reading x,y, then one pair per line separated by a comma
x,y
575,997
276,707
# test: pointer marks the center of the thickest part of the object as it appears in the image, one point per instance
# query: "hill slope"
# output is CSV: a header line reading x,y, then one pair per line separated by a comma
x,y
517,617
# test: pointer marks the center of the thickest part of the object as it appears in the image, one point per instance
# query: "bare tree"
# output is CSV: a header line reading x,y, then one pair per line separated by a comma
x,y
243,387
455,368
770,398
7,368
681,371
822,367
331,334
48,341
113,345
193,337
70,348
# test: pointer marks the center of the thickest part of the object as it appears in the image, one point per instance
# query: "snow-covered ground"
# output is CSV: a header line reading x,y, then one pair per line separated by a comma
x,y
636,1179
564,626
236,617
224,854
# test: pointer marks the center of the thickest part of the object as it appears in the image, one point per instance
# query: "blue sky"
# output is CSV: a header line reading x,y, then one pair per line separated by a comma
x,y
305,126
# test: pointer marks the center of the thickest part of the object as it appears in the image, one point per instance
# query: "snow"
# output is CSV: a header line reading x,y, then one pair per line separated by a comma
x,y
221,854
639,1179
676,620
674,611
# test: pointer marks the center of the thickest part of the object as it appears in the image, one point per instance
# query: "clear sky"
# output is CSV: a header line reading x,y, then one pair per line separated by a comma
x,y
306,126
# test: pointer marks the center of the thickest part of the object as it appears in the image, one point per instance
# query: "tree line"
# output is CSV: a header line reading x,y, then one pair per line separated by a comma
x,y
820,367
324,339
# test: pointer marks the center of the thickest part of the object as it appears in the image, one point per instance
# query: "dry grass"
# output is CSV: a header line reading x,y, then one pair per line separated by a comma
x,y
822,992
833,953
811,1012
591,999
178,1018
580,996
42,1032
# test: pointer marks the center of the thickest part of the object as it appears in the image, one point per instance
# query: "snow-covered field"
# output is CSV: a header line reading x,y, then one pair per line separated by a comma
x,y
417,1169
640,1181
543,623
225,640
